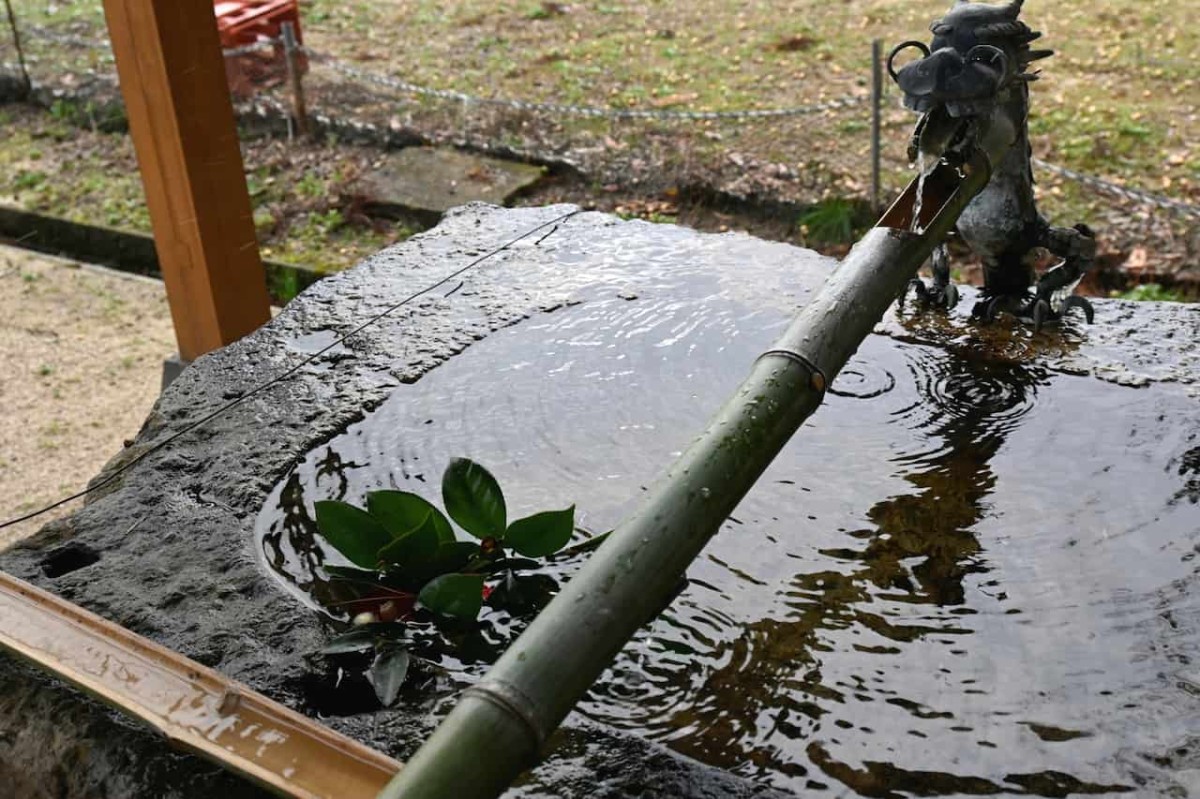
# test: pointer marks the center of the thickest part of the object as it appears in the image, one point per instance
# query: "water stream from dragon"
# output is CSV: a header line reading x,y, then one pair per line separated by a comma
x,y
963,575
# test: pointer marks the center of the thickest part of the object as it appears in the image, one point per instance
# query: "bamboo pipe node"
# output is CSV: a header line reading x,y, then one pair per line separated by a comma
x,y
510,700
816,376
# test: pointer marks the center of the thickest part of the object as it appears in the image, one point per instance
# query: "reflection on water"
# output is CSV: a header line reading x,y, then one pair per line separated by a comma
x,y
965,409
768,681
965,576
291,546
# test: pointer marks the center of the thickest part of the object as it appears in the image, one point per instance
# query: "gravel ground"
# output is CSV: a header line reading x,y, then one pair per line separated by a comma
x,y
81,352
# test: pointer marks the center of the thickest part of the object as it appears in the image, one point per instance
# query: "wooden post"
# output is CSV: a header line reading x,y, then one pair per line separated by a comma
x,y
291,49
181,118
876,133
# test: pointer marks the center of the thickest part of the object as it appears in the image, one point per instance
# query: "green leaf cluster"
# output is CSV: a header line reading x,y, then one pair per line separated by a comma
x,y
831,221
402,546
1151,292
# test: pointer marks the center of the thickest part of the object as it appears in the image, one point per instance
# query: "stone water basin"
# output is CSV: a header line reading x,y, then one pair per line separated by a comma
x,y
974,570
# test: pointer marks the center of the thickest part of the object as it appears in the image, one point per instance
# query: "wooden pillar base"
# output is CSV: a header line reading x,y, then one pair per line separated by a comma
x,y
181,119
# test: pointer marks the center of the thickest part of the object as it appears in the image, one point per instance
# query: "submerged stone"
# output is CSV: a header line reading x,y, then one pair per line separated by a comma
x,y
984,534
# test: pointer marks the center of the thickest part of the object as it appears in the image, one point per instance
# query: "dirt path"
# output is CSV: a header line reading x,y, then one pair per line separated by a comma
x,y
81,352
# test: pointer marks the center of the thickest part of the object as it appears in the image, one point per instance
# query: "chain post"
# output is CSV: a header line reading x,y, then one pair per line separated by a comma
x,y
876,103
16,37
292,53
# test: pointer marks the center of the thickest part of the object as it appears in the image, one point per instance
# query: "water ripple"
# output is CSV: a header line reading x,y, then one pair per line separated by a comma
x,y
971,556
862,379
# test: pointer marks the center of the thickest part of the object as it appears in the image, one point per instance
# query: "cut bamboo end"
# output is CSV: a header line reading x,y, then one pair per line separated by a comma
x,y
196,708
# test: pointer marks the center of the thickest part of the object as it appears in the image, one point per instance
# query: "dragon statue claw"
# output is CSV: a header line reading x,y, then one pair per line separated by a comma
x,y
934,296
977,67
1033,309
941,292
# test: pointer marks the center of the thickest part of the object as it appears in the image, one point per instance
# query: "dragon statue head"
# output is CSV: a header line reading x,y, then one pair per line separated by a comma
x,y
978,51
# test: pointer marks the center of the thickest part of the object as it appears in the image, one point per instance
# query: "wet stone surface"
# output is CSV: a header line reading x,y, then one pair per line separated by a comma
x,y
973,572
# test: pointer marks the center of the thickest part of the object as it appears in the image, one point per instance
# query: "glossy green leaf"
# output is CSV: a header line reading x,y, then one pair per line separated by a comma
x,y
387,674
401,512
541,534
356,640
453,557
524,595
521,564
473,499
501,565
351,573
459,595
352,531
587,545
449,558
414,548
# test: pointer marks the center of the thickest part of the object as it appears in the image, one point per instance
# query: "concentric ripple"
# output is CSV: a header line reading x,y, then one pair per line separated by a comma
x,y
997,394
862,380
963,576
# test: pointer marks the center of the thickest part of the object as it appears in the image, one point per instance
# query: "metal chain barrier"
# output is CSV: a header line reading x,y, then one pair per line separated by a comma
x,y
521,105
38,32
253,47
579,110
597,112
1134,195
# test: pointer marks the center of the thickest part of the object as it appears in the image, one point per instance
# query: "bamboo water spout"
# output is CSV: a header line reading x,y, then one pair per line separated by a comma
x,y
500,724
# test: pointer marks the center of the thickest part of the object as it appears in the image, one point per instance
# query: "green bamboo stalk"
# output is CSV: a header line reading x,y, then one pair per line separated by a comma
x,y
500,725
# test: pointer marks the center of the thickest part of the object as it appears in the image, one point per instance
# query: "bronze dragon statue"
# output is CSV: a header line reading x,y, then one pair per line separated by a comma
x,y
977,66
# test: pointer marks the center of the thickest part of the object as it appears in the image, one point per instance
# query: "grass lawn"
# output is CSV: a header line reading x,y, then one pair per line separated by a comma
x,y
1121,100
50,165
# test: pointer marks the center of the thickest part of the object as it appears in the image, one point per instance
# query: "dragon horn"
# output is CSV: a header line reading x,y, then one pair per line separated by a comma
x,y
1014,8
1030,56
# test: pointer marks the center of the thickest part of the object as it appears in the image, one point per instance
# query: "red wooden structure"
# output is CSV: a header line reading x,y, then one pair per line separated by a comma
x,y
242,23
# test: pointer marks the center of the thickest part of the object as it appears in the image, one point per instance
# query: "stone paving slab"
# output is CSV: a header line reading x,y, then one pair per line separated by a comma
x,y
428,181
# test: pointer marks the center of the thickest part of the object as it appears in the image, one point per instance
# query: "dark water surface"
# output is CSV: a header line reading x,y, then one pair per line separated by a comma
x,y
964,575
